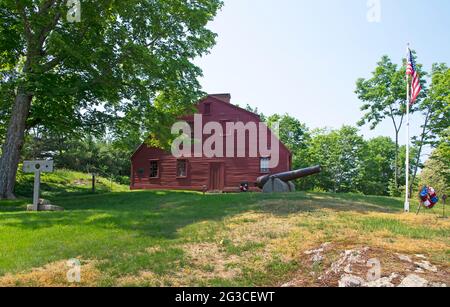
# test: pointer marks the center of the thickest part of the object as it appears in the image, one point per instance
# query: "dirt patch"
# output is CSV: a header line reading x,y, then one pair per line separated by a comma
x,y
255,227
144,277
54,275
206,261
210,261
153,250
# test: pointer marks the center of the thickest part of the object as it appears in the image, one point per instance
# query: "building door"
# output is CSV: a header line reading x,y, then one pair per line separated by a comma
x,y
216,177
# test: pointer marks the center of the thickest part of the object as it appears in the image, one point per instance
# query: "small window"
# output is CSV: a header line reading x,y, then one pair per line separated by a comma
x,y
181,168
207,109
265,162
154,169
140,172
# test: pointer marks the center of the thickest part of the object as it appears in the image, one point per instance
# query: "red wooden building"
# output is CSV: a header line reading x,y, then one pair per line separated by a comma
x,y
153,168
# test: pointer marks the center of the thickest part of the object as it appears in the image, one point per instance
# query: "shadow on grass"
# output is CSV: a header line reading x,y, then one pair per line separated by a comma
x,y
13,205
160,214
52,191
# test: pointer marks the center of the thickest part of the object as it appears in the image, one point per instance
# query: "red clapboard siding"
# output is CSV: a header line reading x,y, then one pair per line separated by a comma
x,y
227,173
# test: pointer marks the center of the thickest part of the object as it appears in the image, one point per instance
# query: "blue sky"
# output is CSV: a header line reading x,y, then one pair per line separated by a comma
x,y
302,57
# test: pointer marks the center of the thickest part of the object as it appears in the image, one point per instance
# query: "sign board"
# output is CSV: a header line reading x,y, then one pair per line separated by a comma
x,y
38,166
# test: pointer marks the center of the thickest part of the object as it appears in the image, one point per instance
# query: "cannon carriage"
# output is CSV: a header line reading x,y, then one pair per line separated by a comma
x,y
282,182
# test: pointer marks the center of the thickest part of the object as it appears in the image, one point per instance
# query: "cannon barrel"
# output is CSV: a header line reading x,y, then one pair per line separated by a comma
x,y
289,176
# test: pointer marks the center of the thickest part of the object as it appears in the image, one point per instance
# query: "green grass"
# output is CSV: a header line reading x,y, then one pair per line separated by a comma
x,y
64,183
185,238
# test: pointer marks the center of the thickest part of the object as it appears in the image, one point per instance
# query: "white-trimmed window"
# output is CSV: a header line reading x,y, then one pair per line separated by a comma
x,y
182,170
265,163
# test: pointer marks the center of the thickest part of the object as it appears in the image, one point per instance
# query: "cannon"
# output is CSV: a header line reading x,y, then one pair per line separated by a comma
x,y
282,182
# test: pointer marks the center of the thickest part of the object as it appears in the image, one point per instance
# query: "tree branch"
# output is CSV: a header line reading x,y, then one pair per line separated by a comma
x,y
46,30
26,22
51,64
43,9
401,123
391,115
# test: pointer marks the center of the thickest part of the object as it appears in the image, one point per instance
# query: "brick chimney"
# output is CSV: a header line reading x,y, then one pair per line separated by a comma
x,y
224,97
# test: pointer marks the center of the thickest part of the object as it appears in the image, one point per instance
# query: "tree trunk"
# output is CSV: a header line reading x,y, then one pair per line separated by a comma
x,y
12,147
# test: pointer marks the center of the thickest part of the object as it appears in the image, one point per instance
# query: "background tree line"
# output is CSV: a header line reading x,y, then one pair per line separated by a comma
x,y
377,166
88,93
350,163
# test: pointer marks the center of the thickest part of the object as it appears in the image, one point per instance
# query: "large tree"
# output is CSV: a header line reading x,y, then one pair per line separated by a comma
x,y
109,67
294,134
378,166
341,154
384,97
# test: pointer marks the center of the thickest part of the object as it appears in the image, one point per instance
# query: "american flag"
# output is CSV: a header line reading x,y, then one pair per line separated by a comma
x,y
412,71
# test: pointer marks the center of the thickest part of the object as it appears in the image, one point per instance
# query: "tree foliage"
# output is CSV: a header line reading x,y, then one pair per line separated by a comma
x,y
126,64
436,172
437,105
294,134
111,65
378,166
339,152
384,97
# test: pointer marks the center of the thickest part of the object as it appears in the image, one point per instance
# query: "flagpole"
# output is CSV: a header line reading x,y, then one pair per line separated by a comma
x,y
408,100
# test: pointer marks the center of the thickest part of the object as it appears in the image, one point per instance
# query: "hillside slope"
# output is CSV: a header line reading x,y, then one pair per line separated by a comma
x,y
63,183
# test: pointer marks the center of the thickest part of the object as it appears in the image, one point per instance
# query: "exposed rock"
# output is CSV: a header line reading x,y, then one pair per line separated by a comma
x,y
317,253
404,258
414,281
319,250
426,265
314,251
45,208
437,285
347,259
380,283
44,202
289,284
317,258
350,281
385,282
352,265
45,205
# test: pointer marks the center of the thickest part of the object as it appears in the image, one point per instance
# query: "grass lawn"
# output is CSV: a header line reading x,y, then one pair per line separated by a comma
x,y
187,239
64,183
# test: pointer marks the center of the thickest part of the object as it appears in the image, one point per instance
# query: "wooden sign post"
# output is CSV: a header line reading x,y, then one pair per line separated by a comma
x,y
93,182
37,167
